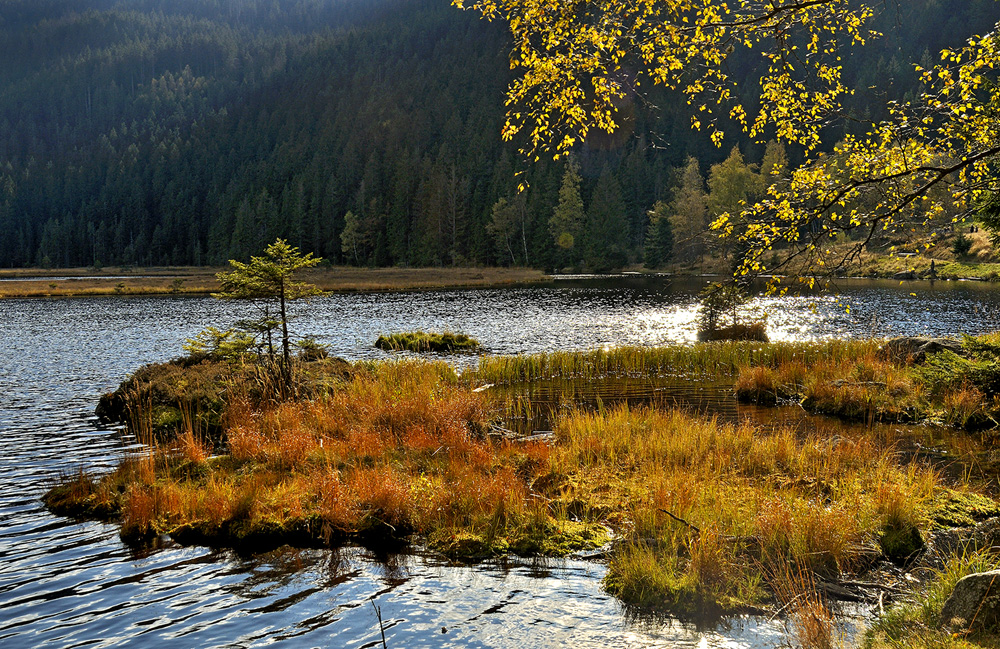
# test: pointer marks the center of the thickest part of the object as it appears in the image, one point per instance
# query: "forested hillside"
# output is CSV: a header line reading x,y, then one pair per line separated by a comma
x,y
154,132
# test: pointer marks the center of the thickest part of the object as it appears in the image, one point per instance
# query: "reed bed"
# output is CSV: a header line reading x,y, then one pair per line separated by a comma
x,y
708,503
391,452
723,358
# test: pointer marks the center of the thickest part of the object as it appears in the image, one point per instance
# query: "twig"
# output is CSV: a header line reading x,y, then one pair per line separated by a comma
x,y
381,627
872,585
786,606
681,520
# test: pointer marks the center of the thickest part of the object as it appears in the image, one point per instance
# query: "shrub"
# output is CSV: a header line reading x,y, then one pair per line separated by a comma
x,y
962,245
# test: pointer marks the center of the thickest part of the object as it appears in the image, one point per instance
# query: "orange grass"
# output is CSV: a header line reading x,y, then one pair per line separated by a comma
x,y
398,450
403,450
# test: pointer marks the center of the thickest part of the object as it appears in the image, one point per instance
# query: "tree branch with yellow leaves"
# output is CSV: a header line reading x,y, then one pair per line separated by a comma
x,y
578,60
929,159
929,163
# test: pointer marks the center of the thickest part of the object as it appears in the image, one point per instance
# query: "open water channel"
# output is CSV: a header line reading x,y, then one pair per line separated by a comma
x,y
74,584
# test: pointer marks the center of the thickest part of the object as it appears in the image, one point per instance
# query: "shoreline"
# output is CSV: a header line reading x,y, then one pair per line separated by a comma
x,y
186,280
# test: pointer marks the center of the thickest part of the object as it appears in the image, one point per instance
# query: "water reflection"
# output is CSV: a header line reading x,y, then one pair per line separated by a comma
x,y
70,584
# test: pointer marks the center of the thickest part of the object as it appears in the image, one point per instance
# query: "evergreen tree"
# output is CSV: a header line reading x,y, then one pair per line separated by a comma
x,y
567,221
503,228
659,248
271,278
689,213
607,227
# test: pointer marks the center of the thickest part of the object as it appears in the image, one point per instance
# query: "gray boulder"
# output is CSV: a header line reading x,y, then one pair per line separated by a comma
x,y
943,545
974,604
916,348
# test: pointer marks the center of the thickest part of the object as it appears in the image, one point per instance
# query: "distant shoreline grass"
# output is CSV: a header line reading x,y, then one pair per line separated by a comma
x,y
82,282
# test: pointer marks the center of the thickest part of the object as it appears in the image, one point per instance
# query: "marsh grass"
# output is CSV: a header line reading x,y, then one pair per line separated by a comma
x,y
421,341
865,385
716,359
389,452
808,616
746,496
399,450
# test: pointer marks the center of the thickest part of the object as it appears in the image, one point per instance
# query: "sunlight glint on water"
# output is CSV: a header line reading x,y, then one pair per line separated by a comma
x,y
71,584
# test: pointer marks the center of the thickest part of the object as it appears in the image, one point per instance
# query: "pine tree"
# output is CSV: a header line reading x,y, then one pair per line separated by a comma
x,y
271,277
567,221
607,231
659,248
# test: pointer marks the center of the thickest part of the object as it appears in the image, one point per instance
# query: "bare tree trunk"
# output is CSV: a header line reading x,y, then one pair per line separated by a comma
x,y
286,365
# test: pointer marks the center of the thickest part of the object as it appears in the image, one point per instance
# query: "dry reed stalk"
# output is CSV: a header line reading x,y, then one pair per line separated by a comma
x,y
810,621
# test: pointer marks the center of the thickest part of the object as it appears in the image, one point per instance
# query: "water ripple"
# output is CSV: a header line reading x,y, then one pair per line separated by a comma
x,y
70,584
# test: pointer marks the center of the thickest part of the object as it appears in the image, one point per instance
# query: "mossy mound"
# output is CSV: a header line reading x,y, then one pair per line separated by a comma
x,y
421,342
962,509
550,539
560,540
900,543
76,498
191,390
469,545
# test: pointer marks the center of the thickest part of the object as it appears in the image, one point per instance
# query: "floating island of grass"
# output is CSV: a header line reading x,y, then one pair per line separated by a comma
x,y
422,342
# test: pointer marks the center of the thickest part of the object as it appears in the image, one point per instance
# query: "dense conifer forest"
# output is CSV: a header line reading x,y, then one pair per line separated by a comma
x,y
156,132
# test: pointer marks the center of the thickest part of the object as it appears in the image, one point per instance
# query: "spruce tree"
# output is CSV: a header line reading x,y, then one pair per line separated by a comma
x,y
566,224
659,248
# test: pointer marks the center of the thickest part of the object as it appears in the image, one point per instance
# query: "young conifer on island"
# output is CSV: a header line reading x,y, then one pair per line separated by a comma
x,y
271,277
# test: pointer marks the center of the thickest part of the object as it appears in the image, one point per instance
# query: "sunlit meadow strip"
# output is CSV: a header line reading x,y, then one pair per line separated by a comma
x,y
701,359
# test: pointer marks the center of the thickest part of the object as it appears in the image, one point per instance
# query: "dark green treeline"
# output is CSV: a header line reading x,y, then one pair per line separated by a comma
x,y
153,132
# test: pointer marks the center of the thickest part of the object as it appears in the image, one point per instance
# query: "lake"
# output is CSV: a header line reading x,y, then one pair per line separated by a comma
x,y
70,584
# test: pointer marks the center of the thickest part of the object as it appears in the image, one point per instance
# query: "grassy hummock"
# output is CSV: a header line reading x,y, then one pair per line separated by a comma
x,y
420,341
870,385
703,515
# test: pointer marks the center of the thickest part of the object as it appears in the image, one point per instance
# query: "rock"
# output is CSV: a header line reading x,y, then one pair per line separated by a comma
x,y
914,349
942,545
974,604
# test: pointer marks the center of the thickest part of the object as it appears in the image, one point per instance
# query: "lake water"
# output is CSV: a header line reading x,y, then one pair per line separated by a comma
x,y
70,584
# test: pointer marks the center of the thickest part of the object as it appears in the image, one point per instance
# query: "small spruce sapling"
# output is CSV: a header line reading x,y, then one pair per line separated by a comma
x,y
271,278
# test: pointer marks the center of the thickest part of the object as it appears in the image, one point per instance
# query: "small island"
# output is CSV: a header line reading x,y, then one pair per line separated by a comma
x,y
420,341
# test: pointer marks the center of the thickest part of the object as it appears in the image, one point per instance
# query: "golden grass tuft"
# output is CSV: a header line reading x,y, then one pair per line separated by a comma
x,y
808,616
